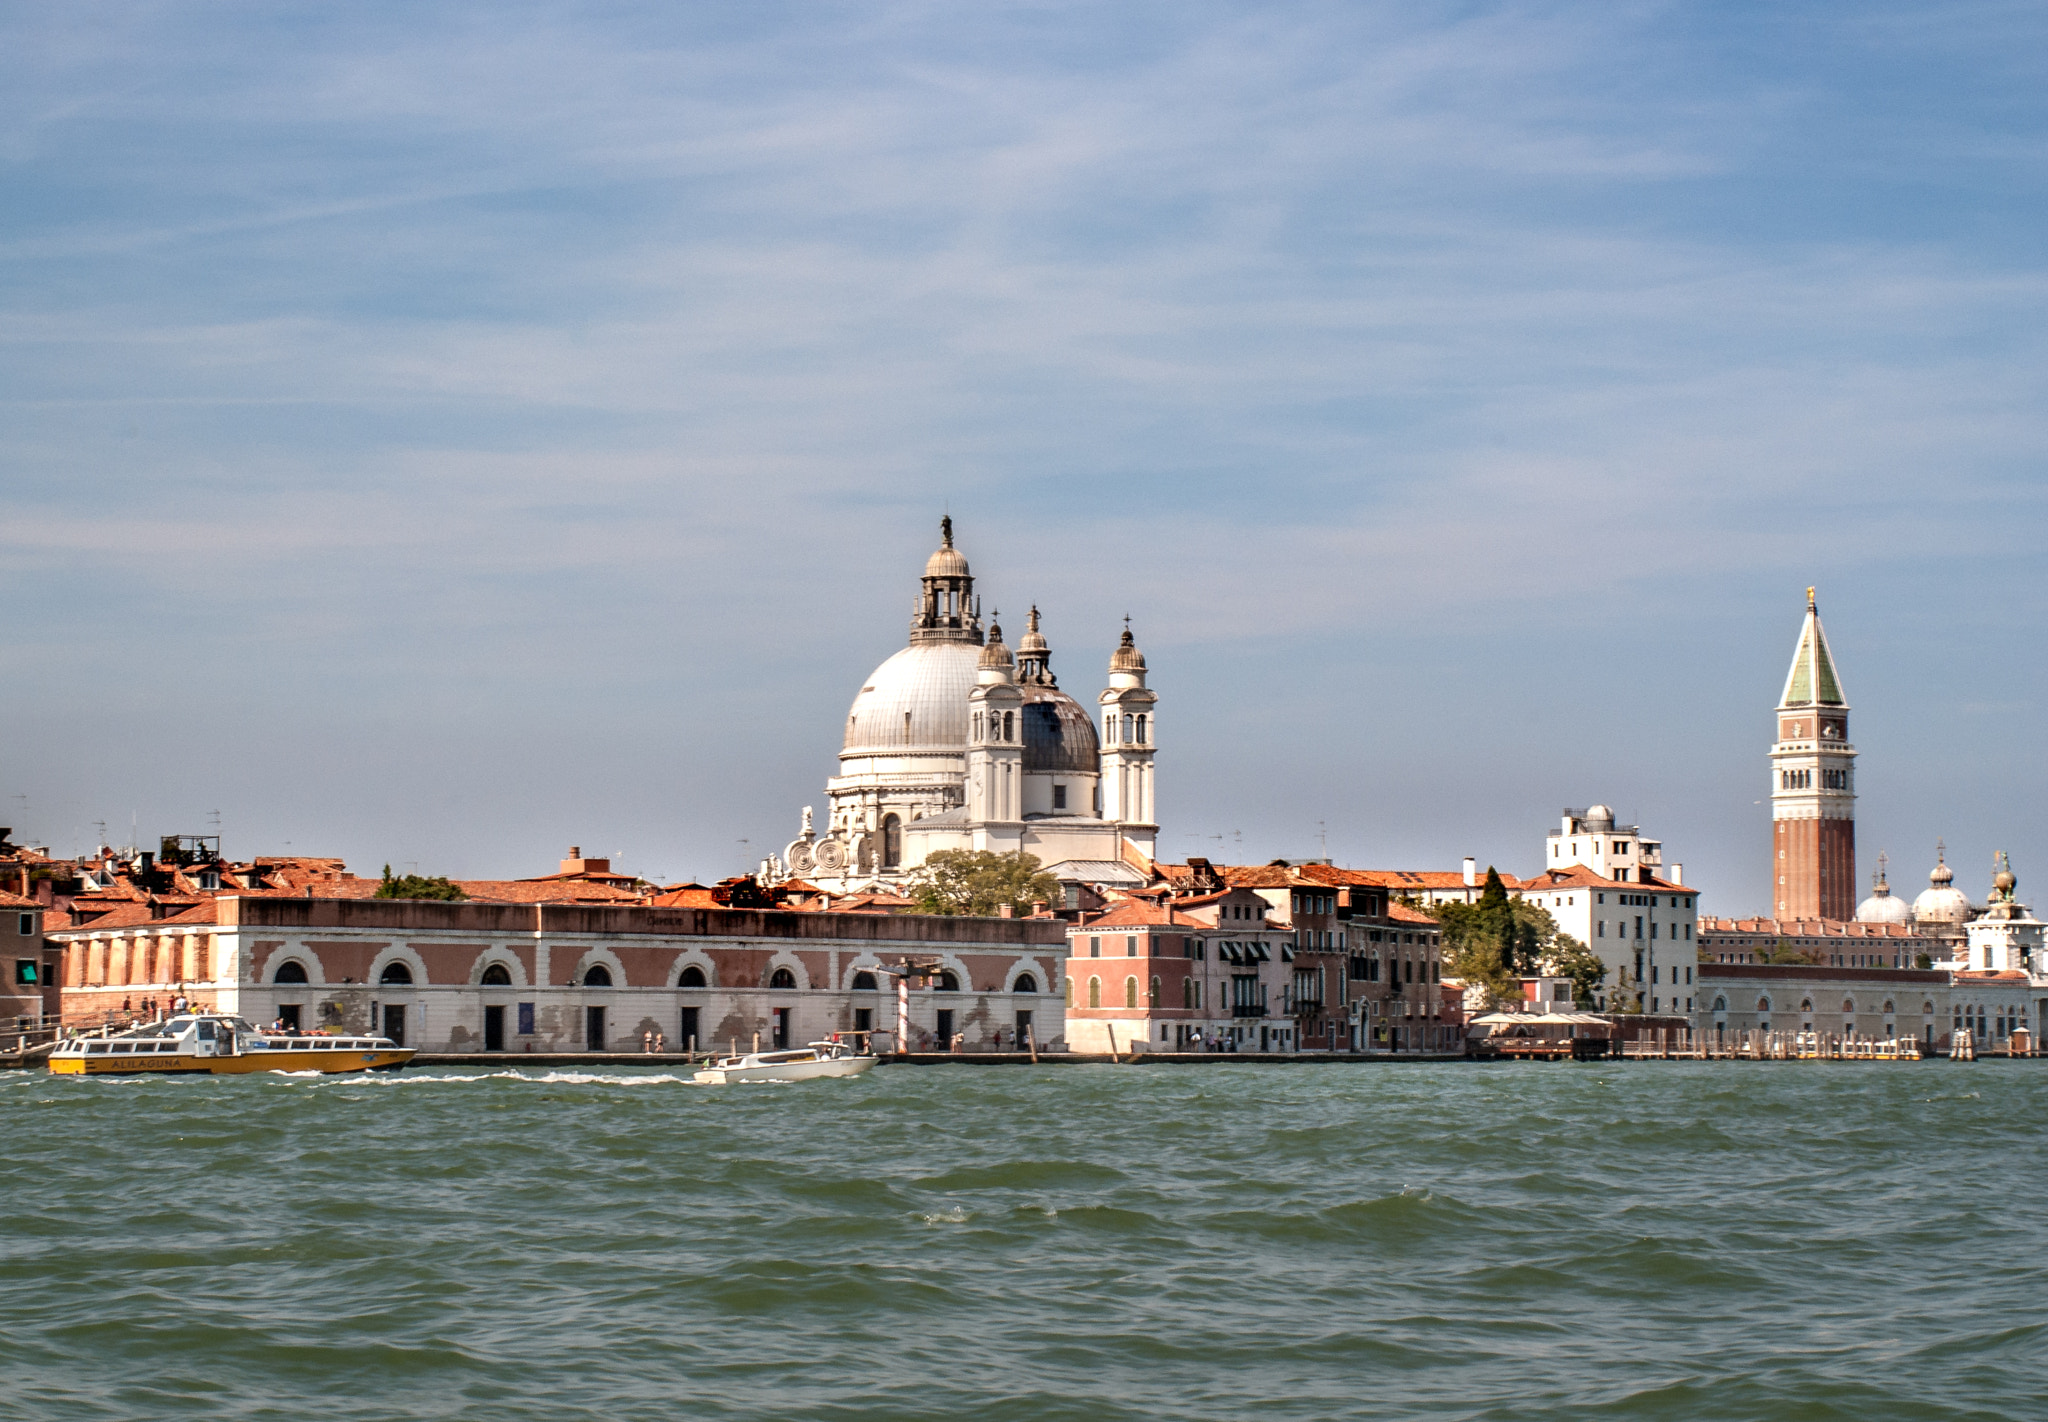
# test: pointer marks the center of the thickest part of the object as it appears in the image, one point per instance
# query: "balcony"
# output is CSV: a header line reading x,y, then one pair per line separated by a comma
x,y
1254,1009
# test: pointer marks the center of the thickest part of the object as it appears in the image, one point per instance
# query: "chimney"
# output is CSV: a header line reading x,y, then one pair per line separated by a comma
x,y
1678,873
1008,911
1471,871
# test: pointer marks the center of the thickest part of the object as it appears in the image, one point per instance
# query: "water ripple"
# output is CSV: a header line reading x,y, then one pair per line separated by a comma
x,y
1727,1241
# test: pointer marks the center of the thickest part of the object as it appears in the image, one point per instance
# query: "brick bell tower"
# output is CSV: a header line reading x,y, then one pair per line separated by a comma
x,y
1813,792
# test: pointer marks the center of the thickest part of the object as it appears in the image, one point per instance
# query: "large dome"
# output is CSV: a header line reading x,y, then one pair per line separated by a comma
x,y
915,701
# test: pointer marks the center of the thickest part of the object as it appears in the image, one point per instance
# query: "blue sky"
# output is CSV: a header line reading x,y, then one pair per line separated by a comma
x,y
442,434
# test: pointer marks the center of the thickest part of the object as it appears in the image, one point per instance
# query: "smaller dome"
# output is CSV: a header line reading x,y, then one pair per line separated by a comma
x,y
995,654
1033,640
948,561
1127,657
1599,816
1941,874
1942,905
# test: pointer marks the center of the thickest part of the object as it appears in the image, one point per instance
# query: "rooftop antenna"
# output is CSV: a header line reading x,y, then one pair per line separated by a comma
x,y
1323,837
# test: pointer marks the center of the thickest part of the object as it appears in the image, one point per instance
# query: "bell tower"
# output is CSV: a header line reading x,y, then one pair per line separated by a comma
x,y
1813,791
995,749
1129,720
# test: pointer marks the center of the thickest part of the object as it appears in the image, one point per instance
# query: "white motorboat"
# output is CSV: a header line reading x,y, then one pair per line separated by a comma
x,y
796,1064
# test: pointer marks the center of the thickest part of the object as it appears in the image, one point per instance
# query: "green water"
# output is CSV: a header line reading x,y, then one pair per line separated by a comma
x,y
1682,1240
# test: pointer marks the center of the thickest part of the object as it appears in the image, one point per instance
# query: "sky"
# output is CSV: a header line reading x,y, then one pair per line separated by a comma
x,y
441,434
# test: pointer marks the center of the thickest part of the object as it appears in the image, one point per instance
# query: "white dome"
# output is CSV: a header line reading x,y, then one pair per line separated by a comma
x,y
1942,905
915,701
1884,907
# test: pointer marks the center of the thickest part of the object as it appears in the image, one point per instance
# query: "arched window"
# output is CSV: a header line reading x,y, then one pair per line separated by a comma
x,y
1152,999
863,981
1927,1009
597,975
395,974
1129,726
1109,727
1720,1004
290,973
693,977
1142,733
948,983
1025,983
496,976
977,725
1848,1007
1095,992
892,841
1806,1004
1009,725
1068,993
1130,992
782,978
1763,1004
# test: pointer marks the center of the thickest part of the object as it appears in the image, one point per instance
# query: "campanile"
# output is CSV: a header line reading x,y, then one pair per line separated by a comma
x,y
1813,791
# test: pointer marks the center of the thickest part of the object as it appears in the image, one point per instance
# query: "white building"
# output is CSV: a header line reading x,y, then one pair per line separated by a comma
x,y
1619,852
1642,930
954,743
1603,882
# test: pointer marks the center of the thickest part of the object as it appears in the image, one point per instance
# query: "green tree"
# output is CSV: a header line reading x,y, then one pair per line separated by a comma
x,y
417,886
979,882
1498,940
1569,958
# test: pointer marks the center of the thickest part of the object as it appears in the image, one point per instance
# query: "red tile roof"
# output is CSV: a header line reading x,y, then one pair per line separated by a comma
x,y
1804,928
1133,913
1578,876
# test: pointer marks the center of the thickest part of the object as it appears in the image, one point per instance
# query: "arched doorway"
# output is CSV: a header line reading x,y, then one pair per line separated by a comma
x,y
892,842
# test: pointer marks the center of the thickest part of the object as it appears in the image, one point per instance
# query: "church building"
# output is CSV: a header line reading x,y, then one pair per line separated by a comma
x,y
956,742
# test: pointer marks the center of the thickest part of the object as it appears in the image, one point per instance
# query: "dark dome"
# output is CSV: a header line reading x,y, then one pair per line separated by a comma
x,y
1058,734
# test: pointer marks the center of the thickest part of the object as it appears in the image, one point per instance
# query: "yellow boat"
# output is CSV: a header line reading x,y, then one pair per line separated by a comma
x,y
220,1045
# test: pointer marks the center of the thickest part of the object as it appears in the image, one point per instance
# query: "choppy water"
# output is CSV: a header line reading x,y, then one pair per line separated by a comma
x,y
1726,1241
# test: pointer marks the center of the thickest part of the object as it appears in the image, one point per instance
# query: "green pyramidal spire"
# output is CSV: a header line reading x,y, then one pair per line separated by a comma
x,y
1812,681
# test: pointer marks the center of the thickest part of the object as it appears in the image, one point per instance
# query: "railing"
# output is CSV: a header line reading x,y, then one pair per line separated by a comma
x,y
1248,1009
1757,1045
20,1039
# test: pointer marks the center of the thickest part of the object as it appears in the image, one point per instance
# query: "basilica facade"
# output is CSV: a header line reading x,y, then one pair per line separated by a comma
x,y
957,742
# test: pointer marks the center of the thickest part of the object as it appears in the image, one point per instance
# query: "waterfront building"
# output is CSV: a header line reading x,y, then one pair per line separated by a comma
x,y
955,742
1368,965
551,976
27,992
1813,789
1205,972
1642,929
1739,997
1826,941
